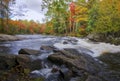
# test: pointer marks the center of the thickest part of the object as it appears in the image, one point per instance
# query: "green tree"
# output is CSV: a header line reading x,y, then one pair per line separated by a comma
x,y
58,13
108,20
92,14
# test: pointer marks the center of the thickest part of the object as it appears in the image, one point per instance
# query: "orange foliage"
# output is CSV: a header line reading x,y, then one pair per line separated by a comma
x,y
22,27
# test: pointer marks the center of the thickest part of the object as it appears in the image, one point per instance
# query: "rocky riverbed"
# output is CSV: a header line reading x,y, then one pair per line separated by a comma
x,y
65,61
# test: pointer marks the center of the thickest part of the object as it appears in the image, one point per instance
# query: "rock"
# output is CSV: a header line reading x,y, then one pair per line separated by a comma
x,y
110,75
4,37
28,51
78,60
71,40
8,62
54,69
108,38
112,69
65,74
47,48
35,64
26,62
96,37
93,78
112,60
81,73
65,42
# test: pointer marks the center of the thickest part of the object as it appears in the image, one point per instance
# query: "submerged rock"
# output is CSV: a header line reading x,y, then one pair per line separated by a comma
x,y
28,51
47,48
77,60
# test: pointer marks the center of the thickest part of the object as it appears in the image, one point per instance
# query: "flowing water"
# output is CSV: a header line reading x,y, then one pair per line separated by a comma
x,y
36,41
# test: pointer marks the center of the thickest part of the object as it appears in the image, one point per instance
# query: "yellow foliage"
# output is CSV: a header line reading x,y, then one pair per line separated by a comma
x,y
81,13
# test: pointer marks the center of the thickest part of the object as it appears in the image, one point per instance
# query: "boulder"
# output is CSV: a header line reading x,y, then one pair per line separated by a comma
x,y
26,62
96,37
112,60
9,61
28,51
110,75
108,38
77,60
65,74
47,48
93,78
70,41
4,37
35,64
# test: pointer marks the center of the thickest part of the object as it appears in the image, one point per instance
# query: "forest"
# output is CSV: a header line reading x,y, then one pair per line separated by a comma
x,y
68,18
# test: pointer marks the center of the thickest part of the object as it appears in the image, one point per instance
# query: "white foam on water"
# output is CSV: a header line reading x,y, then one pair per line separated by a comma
x,y
96,48
43,72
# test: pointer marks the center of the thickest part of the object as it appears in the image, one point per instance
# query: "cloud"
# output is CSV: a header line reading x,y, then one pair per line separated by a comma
x,y
34,4
27,9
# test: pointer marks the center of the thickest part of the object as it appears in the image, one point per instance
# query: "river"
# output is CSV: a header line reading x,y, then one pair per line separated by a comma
x,y
36,41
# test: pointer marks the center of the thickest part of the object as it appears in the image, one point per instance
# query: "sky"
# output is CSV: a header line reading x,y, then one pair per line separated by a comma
x,y
27,10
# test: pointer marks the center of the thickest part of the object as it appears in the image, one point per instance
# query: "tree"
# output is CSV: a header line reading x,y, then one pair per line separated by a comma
x,y
4,12
58,13
92,14
108,19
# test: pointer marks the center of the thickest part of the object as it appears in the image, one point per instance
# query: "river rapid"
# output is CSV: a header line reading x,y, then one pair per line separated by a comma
x,y
86,46
36,41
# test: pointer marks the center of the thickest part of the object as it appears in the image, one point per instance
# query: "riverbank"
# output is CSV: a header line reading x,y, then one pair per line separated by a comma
x,y
5,37
103,38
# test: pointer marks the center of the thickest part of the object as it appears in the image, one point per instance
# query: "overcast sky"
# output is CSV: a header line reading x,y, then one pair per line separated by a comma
x,y
27,9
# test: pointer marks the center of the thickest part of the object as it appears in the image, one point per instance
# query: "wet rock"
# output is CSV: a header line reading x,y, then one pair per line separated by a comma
x,y
78,78
65,42
110,75
54,69
96,37
71,40
36,64
81,73
47,48
8,62
108,38
65,74
26,62
53,77
112,60
93,78
28,51
4,37
78,60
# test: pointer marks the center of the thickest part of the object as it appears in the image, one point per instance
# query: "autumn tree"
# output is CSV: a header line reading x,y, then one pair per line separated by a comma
x,y
108,19
4,12
58,14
